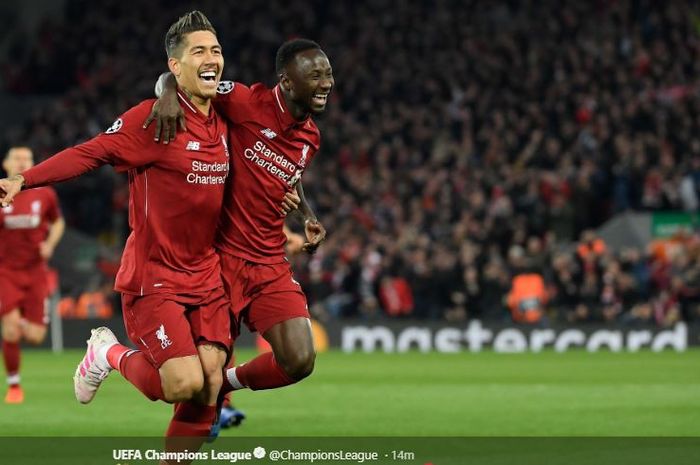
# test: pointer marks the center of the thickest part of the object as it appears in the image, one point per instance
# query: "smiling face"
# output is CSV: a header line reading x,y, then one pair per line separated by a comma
x,y
308,79
199,65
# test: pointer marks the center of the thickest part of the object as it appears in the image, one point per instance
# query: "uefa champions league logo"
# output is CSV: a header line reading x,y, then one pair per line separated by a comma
x,y
116,126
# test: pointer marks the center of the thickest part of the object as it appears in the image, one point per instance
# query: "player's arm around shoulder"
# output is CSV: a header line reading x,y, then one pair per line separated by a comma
x,y
169,116
233,100
166,111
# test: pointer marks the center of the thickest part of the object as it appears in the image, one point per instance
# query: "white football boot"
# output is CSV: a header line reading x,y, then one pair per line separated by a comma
x,y
92,370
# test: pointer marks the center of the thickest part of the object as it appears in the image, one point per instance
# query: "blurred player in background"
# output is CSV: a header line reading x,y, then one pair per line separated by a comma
x,y
30,229
273,140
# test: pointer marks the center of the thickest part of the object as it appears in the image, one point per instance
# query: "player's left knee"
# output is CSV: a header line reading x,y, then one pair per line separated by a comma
x,y
301,364
35,336
212,367
213,378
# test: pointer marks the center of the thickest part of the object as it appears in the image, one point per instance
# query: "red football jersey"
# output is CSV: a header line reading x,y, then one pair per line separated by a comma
x,y
270,150
176,191
24,225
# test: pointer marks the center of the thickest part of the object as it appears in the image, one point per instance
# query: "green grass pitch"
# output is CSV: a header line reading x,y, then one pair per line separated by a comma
x,y
414,394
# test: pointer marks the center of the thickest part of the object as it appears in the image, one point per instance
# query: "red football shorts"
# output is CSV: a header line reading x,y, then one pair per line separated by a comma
x,y
26,290
171,326
261,295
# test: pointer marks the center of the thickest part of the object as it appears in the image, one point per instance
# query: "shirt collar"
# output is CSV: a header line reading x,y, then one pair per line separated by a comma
x,y
283,114
193,110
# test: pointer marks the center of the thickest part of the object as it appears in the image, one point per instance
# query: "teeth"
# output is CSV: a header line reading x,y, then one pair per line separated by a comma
x,y
208,75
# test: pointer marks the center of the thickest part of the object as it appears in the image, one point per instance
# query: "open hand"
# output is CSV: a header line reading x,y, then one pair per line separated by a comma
x,y
168,115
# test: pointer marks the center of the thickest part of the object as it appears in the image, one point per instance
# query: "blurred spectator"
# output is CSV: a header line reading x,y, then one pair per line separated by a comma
x,y
527,298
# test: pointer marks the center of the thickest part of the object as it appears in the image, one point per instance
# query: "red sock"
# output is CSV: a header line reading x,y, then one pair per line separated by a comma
x,y
136,368
227,399
189,427
10,354
116,353
191,420
263,372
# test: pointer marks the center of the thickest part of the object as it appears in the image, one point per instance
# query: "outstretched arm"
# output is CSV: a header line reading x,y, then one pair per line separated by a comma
x,y
65,165
123,145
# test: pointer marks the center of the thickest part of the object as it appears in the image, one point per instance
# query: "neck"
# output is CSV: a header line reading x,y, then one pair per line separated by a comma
x,y
202,104
294,108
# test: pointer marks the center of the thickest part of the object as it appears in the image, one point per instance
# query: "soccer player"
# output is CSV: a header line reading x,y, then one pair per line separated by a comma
x,y
273,139
30,229
175,308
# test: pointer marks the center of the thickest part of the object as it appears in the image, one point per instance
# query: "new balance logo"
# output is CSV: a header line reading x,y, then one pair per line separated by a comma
x,y
269,133
165,341
192,145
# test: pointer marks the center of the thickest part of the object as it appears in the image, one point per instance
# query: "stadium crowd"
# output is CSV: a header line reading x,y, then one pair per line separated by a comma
x,y
466,143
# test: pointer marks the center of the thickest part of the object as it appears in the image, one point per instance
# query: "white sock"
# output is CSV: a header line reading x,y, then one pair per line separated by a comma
x,y
101,356
13,379
233,379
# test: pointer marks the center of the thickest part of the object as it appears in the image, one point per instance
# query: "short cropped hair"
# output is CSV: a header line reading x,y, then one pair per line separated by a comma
x,y
190,22
289,49
18,147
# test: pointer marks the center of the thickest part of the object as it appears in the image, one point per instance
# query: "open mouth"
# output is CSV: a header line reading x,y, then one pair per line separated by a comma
x,y
320,99
208,76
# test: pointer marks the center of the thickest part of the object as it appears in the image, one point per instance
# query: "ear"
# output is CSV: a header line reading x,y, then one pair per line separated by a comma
x,y
285,82
174,67
4,165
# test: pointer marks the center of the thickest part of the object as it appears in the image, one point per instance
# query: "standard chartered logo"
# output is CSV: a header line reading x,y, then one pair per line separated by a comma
x,y
22,221
275,164
207,173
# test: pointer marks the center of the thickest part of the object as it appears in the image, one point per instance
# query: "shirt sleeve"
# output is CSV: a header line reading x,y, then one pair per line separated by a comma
x,y
232,100
124,145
